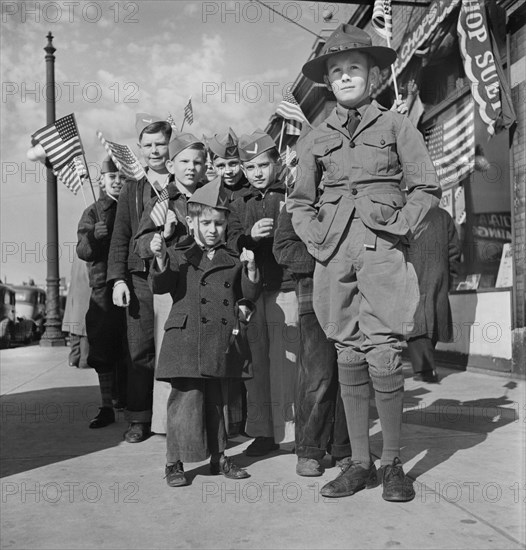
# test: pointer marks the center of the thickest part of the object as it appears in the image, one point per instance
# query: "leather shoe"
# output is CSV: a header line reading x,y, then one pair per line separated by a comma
x,y
261,446
353,478
174,475
431,377
397,486
137,432
228,468
341,462
104,417
308,467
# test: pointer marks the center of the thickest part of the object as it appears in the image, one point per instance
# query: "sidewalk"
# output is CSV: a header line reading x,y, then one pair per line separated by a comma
x,y
65,486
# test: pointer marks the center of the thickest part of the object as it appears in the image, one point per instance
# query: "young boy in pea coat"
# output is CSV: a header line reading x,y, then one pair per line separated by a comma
x,y
357,228
105,322
206,281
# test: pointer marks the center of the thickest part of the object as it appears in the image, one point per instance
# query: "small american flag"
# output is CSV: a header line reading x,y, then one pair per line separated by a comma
x,y
293,128
189,112
171,120
124,158
290,109
71,175
290,159
382,21
160,209
61,141
451,144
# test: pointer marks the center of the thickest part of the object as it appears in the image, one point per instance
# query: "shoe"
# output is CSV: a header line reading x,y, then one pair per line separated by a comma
x,y
105,417
308,467
341,462
228,468
73,365
261,446
397,486
431,377
174,475
137,432
353,478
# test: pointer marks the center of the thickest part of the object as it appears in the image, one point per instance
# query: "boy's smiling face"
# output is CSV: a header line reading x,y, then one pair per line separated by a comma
x,y
261,171
229,170
113,182
154,149
348,76
188,166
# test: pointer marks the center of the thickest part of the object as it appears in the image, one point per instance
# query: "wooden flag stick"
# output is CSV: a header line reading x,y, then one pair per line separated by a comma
x,y
393,72
281,135
83,196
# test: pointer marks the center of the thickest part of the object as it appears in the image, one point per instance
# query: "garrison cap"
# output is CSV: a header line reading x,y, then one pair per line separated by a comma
x,y
108,166
143,120
212,194
180,142
252,145
224,145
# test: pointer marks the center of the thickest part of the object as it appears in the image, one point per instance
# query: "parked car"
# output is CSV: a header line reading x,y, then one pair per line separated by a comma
x,y
31,305
7,315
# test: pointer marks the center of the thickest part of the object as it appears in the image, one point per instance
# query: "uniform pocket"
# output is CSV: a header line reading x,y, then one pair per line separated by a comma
x,y
176,320
328,206
378,153
326,151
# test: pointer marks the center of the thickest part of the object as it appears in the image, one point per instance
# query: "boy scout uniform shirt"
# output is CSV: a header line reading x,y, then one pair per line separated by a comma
x,y
362,175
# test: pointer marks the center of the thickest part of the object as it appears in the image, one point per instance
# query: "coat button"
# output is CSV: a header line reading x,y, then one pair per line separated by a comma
x,y
354,191
227,284
204,300
226,302
382,142
352,145
204,320
224,321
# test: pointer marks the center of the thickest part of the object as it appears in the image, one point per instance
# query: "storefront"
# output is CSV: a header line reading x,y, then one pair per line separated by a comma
x,y
480,161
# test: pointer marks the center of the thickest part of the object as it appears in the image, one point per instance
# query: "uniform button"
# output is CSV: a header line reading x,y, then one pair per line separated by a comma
x,y
204,300
354,191
204,320
352,145
382,142
224,321
227,284
226,302
203,283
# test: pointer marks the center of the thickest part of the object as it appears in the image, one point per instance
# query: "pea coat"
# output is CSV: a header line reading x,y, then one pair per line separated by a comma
x,y
199,327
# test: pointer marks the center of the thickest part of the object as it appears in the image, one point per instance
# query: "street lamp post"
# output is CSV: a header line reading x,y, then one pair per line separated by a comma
x,y
53,327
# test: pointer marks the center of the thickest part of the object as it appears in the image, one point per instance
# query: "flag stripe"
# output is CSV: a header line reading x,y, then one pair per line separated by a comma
x,y
382,21
124,158
290,109
160,209
189,112
71,174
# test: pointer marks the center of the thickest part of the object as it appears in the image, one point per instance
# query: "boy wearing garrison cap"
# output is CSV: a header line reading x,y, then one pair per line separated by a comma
x,y
105,323
357,228
207,282
129,273
225,157
273,331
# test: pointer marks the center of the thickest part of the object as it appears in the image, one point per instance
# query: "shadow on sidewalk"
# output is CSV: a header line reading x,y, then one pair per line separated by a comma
x,y
46,426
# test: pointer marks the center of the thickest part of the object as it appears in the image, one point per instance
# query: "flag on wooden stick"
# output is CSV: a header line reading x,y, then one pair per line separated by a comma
x,y
382,21
124,158
289,108
160,209
72,173
189,112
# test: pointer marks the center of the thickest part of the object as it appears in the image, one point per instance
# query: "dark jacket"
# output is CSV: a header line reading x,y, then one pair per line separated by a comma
x,y
90,249
200,323
122,258
177,203
363,174
435,255
241,189
244,213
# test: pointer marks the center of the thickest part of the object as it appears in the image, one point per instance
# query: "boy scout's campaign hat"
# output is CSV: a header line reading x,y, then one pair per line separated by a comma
x,y
212,194
108,166
252,145
224,145
143,120
180,142
347,38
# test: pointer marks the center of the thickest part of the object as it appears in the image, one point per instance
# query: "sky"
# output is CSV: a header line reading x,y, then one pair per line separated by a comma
x,y
235,59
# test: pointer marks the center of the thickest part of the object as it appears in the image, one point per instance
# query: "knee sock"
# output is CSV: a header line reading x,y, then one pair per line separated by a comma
x,y
106,385
390,407
356,404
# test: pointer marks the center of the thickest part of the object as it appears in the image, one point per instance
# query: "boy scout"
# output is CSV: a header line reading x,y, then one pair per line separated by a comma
x,y
129,273
105,323
365,291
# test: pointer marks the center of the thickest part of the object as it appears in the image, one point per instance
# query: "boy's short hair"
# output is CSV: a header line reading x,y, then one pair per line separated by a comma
x,y
160,126
195,209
